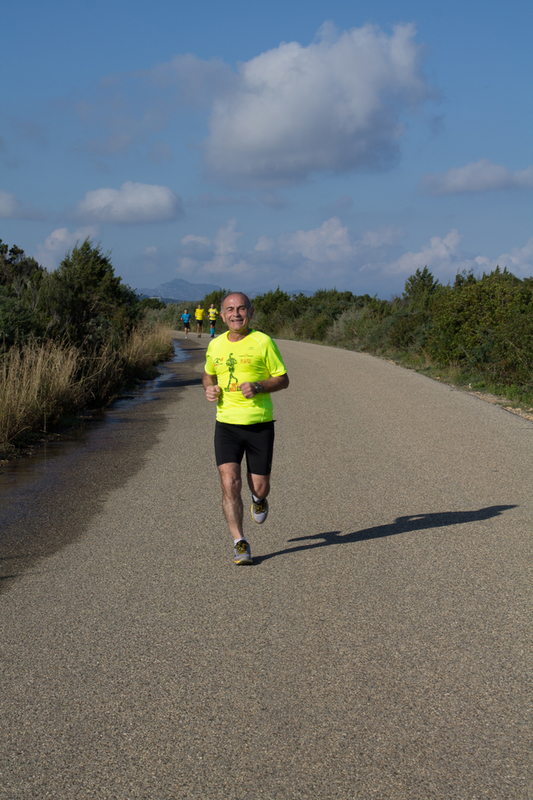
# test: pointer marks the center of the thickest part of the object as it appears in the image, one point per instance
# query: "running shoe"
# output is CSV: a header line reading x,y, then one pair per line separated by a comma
x,y
260,510
241,553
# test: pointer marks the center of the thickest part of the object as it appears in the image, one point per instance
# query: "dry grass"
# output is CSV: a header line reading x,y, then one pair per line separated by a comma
x,y
37,385
286,331
147,346
40,383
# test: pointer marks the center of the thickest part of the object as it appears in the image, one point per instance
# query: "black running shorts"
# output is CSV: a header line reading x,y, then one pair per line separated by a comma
x,y
257,441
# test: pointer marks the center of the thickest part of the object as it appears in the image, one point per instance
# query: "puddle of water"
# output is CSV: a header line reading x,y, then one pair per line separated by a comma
x,y
149,390
21,478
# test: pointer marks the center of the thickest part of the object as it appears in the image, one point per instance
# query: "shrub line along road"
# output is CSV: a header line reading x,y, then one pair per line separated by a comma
x,y
380,646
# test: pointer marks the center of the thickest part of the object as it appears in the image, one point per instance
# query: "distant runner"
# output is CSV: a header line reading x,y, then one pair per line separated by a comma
x,y
199,314
186,317
242,368
212,313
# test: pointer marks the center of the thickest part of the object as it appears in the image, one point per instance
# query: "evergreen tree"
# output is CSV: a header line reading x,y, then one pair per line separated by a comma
x,y
85,301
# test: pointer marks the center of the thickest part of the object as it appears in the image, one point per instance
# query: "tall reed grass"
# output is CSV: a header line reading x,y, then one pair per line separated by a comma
x,y
40,383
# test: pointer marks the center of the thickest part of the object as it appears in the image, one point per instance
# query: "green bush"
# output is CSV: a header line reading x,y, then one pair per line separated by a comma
x,y
486,324
85,302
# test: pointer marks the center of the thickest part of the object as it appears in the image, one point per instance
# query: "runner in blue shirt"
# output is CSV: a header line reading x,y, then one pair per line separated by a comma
x,y
186,317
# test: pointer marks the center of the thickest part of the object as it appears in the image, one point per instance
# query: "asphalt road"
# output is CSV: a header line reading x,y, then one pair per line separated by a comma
x,y
379,647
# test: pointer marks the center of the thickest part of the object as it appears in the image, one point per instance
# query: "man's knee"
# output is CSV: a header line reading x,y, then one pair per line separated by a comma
x,y
231,481
260,485
232,487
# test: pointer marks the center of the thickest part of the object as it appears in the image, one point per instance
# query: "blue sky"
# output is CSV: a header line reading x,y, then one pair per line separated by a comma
x,y
250,145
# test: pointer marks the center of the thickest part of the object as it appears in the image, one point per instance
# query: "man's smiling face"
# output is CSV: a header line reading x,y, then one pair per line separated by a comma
x,y
236,313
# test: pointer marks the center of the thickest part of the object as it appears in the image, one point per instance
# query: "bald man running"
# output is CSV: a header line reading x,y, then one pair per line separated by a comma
x,y
242,369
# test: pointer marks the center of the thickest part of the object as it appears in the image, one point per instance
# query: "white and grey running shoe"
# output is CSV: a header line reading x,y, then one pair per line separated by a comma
x,y
260,510
241,553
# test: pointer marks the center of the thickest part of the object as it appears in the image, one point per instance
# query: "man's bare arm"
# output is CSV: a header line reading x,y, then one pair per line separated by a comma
x,y
269,385
212,389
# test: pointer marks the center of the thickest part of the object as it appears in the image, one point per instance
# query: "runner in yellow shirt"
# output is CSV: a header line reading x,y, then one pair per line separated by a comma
x,y
242,368
212,313
199,314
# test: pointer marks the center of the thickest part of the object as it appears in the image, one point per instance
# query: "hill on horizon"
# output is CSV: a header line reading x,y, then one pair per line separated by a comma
x,y
178,289
183,291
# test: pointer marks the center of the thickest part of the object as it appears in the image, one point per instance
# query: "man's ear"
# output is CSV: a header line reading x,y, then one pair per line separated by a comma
x,y
251,313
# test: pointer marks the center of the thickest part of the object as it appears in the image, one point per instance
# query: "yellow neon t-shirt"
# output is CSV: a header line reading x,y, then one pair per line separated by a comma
x,y
199,314
212,314
254,358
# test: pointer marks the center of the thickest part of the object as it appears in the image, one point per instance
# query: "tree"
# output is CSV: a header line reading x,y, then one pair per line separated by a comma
x,y
486,324
16,267
85,301
18,321
273,302
20,280
215,297
152,303
420,289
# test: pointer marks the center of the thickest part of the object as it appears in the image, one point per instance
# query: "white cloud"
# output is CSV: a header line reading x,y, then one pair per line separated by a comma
x,y
329,255
196,240
12,208
441,254
327,244
132,203
387,235
519,261
265,243
222,257
445,259
478,176
337,104
59,243
226,239
324,255
331,242
334,105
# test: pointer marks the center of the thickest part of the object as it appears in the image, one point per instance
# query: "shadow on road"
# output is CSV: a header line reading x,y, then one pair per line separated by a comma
x,y
416,522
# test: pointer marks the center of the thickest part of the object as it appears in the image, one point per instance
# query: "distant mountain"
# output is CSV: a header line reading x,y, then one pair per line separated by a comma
x,y
179,289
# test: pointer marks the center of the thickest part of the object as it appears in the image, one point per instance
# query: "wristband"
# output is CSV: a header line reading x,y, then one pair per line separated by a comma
x,y
258,388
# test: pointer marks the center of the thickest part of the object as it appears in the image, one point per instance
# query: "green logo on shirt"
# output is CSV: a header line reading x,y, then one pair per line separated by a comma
x,y
231,363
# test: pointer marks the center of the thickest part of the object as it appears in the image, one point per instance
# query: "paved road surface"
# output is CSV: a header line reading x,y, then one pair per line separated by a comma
x,y
380,647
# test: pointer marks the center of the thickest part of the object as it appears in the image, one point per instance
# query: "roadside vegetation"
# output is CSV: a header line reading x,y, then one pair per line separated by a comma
x,y
77,336
68,339
475,333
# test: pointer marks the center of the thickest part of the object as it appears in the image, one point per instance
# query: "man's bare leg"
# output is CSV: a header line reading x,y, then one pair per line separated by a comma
x,y
230,477
259,485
